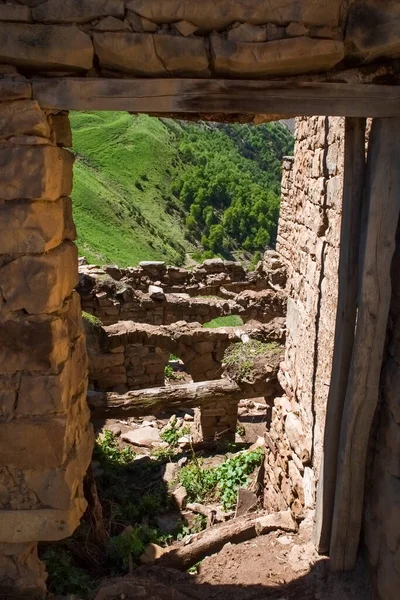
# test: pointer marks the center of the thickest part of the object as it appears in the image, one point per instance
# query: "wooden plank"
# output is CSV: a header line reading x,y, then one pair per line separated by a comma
x,y
152,400
353,187
289,97
382,196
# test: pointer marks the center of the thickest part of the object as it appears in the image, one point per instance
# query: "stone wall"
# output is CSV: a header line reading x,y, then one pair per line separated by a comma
x,y
381,521
126,355
46,438
113,300
172,38
308,240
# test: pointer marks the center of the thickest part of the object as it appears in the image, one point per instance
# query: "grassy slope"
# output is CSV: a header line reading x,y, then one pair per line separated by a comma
x,y
125,170
121,183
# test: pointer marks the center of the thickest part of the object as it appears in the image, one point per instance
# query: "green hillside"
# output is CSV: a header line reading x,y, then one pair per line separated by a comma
x,y
152,189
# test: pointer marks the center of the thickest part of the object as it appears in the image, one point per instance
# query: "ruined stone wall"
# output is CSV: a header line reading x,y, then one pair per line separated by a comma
x,y
46,439
113,300
382,505
172,38
308,239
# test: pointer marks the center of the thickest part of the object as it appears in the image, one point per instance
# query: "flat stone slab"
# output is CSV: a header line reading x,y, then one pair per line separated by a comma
x,y
144,436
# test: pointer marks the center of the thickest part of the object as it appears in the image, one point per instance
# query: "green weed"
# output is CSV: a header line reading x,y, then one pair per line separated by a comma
x,y
222,482
64,576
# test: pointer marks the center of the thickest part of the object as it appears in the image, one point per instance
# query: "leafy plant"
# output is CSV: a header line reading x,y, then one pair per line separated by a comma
x,y
108,452
222,482
64,576
172,433
168,372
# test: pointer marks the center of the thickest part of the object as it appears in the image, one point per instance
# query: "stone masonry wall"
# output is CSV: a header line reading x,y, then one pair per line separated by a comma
x,y
308,239
46,438
381,522
175,38
117,300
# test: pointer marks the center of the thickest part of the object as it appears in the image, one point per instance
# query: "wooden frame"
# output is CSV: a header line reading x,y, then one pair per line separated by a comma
x,y
288,98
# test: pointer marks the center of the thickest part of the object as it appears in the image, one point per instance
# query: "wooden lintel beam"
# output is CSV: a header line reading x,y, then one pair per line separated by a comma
x,y
218,96
152,400
382,196
353,190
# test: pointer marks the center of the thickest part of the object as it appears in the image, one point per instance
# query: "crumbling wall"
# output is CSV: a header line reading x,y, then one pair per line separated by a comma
x,y
308,240
382,505
45,437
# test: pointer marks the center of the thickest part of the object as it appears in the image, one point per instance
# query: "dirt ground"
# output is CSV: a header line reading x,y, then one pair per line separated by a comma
x,y
271,567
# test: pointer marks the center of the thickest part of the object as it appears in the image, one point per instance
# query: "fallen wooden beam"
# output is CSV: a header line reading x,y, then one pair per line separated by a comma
x,y
353,188
382,194
289,97
153,400
185,554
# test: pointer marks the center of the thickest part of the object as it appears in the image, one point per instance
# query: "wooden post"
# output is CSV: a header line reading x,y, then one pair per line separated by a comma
x,y
353,186
382,196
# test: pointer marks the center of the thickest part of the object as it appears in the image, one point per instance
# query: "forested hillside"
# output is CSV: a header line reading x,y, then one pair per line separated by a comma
x,y
156,189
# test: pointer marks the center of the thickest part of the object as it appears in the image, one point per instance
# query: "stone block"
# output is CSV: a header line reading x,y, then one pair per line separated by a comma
x,y
132,53
33,344
45,47
35,172
22,117
30,442
14,89
21,571
15,13
283,57
112,24
55,488
47,524
77,11
209,15
297,437
50,394
381,18
35,227
140,24
40,284
246,32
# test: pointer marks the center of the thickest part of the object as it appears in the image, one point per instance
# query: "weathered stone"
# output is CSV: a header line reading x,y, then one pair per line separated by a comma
x,y
281,520
22,574
274,32
143,436
56,487
248,33
209,15
112,24
179,496
11,89
297,438
77,11
151,553
140,24
40,172
383,18
20,447
283,57
33,283
15,12
185,28
45,524
182,56
156,292
40,344
296,30
51,394
54,47
132,53
35,227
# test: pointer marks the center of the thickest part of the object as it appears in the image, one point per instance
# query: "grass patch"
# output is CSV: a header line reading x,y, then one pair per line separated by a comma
x,y
240,358
230,321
